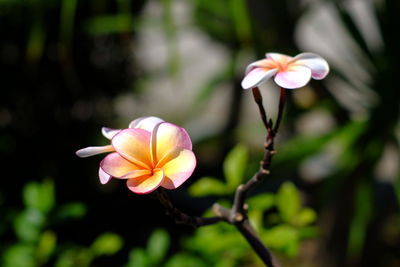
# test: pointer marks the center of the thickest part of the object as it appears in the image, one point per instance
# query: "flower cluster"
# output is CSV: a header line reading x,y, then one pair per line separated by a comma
x,y
152,153
148,154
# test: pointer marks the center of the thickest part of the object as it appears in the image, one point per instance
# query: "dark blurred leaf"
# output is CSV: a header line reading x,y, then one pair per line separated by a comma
x,y
20,255
109,24
107,244
235,166
214,18
361,218
71,210
241,19
39,195
46,246
305,217
138,258
185,260
72,257
308,232
288,201
283,238
261,202
28,225
295,150
68,10
157,246
207,186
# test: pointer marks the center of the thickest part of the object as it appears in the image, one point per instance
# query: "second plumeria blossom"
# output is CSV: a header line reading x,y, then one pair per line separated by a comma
x,y
148,154
289,72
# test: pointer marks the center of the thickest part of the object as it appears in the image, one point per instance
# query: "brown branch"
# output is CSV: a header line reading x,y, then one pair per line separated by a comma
x,y
179,216
237,215
259,101
282,101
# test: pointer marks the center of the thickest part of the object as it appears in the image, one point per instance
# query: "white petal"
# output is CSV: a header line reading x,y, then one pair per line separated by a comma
x,y
278,57
104,177
263,63
146,123
319,67
93,150
256,77
109,132
293,78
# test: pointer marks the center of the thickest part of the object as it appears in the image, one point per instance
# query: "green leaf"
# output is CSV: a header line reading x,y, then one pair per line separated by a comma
x,y
107,244
157,246
28,225
107,24
361,218
39,195
46,246
72,257
305,217
262,202
20,255
184,260
257,205
71,210
207,186
308,232
288,201
138,258
235,166
284,238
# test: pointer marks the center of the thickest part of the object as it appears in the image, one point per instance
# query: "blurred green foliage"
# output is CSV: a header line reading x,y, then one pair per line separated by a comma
x,y
234,168
36,242
278,217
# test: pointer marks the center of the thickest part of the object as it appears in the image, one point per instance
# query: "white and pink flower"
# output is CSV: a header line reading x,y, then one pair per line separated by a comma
x,y
289,72
148,154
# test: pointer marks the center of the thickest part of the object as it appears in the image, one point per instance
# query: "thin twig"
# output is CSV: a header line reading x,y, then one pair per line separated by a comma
x,y
259,101
282,101
237,215
179,216
241,222
256,243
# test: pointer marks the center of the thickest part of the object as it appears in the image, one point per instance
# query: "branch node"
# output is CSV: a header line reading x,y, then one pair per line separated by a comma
x,y
266,172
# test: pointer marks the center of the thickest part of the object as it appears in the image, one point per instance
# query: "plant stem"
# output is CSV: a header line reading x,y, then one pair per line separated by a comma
x,y
237,215
179,216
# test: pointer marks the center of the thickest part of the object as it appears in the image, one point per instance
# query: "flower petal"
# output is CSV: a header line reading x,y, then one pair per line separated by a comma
x,y
93,150
319,67
165,138
294,77
179,169
277,57
145,123
104,177
118,167
263,63
134,145
146,184
257,76
109,132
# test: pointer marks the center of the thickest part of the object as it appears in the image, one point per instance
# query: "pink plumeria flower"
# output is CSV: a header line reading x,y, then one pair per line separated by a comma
x,y
289,72
148,154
